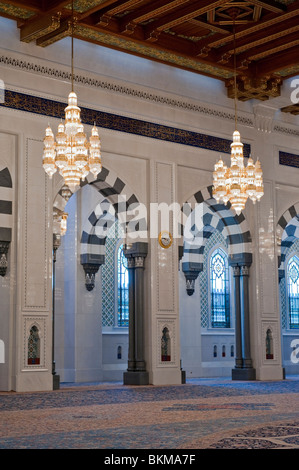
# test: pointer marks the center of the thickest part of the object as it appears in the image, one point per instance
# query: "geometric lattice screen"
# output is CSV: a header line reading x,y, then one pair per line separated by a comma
x,y
215,239
293,249
109,273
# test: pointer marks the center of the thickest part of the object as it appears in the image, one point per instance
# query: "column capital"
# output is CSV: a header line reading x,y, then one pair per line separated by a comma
x,y
244,270
236,271
139,261
138,249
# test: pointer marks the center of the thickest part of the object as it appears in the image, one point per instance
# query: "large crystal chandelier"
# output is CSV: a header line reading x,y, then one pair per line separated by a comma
x,y
72,154
237,183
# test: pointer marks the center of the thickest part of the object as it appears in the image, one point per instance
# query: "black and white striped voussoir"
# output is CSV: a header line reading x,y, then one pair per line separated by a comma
x,y
6,201
219,217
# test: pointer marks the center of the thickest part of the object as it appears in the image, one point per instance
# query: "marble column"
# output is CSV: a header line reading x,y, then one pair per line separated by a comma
x,y
136,373
238,326
56,378
247,361
243,363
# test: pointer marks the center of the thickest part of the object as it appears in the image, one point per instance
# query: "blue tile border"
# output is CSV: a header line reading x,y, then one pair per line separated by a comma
x,y
288,159
55,109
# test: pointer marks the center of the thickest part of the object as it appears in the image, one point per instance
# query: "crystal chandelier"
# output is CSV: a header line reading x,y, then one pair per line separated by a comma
x,y
237,183
72,154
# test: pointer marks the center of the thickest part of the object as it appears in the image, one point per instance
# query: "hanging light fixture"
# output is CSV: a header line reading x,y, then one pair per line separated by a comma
x,y
237,183
72,154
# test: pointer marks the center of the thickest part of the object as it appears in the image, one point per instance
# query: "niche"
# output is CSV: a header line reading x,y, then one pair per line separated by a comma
x,y
215,351
33,346
232,351
119,352
165,345
269,344
223,351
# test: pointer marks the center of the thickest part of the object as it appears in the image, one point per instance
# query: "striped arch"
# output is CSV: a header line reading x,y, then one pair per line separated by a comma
x,y
213,216
119,195
6,200
287,231
95,232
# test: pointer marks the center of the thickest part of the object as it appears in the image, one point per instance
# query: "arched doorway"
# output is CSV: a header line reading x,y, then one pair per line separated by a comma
x,y
93,216
288,278
214,341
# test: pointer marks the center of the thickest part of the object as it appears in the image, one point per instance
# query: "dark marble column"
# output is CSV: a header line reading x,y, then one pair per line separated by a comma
x,y
139,314
136,373
243,367
247,361
56,378
238,326
131,350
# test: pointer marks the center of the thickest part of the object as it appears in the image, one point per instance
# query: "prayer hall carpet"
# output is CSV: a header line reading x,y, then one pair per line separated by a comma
x,y
201,414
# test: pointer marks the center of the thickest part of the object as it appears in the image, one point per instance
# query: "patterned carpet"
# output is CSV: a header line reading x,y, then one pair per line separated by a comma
x,y
201,414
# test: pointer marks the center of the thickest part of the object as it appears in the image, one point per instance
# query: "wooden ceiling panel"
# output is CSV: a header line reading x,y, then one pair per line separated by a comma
x,y
193,34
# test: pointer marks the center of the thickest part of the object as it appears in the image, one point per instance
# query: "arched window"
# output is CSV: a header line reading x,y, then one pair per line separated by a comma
x,y
219,289
293,291
122,288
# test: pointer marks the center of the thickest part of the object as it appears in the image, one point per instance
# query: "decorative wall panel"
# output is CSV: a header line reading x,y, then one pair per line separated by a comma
x,y
35,223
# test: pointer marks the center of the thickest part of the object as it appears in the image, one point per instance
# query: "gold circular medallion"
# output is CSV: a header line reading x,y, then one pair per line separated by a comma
x,y
165,239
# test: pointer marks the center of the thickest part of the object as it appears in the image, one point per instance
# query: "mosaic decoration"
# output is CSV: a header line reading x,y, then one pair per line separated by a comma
x,y
13,11
81,6
51,108
215,239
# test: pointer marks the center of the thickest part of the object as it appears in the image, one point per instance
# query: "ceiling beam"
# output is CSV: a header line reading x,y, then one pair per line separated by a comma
x,y
34,29
64,30
149,11
282,60
275,7
269,20
223,44
180,16
263,36
112,7
265,50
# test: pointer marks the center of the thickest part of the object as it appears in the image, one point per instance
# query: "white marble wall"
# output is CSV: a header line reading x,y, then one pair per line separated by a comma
x,y
156,171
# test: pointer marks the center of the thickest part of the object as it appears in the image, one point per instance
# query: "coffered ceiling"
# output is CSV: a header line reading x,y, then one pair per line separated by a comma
x,y
196,35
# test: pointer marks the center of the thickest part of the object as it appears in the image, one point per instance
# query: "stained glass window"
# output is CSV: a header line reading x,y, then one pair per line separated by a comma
x,y
219,289
293,291
123,288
